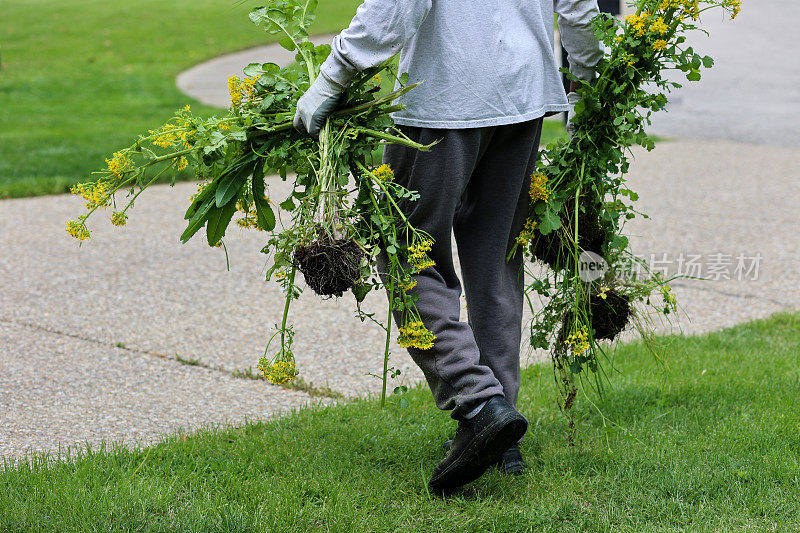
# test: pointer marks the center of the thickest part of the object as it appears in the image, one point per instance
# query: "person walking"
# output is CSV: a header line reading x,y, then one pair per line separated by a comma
x,y
490,76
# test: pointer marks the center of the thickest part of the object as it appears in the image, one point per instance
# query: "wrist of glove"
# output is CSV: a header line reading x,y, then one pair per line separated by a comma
x,y
318,102
573,98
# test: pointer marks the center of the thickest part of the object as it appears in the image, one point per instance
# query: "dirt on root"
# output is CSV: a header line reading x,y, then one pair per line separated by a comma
x,y
329,266
555,248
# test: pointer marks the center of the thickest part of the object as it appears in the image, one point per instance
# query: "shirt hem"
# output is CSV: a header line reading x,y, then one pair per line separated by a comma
x,y
480,123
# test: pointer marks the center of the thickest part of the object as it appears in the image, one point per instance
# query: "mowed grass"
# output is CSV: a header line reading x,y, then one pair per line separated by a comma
x,y
708,443
81,78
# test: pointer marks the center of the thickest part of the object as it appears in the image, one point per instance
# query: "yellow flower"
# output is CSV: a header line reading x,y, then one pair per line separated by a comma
x,y
416,335
538,189
736,7
119,218
239,89
181,164
235,90
224,126
637,23
418,257
578,341
603,292
376,79
527,232
659,26
119,164
96,194
408,284
78,229
279,372
383,173
659,45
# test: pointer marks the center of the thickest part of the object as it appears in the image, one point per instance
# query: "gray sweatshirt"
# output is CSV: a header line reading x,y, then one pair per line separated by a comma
x,y
483,63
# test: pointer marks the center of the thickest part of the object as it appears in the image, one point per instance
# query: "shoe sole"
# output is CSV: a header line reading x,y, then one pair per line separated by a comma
x,y
484,451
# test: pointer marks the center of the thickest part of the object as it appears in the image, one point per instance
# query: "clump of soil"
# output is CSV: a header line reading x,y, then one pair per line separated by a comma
x,y
330,266
610,315
553,250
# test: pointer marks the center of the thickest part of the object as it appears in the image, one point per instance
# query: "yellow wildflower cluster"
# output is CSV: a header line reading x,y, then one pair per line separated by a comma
x,y
603,292
78,229
659,26
408,283
181,164
279,372
538,190
638,23
376,79
416,335
119,164
659,45
418,257
96,194
578,341
384,173
735,6
165,136
527,232
240,89
119,218
250,218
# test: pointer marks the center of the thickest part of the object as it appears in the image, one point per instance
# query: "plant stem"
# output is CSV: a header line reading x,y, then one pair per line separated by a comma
x,y
395,139
386,348
289,295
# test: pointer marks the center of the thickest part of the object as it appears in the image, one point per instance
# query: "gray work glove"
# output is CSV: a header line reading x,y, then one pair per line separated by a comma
x,y
573,98
316,104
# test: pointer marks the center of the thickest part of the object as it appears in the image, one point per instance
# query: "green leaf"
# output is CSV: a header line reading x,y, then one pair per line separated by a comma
x,y
234,178
287,42
549,222
205,193
198,220
694,75
264,212
253,69
218,220
360,291
288,204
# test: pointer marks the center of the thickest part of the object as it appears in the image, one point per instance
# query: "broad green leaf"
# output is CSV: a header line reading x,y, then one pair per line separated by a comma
x,y
253,69
264,212
205,193
288,204
218,220
360,291
198,219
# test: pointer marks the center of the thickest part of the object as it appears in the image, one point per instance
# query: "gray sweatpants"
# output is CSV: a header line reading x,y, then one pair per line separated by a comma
x,y
473,183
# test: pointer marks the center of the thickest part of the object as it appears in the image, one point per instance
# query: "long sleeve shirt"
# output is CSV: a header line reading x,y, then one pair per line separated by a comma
x,y
484,63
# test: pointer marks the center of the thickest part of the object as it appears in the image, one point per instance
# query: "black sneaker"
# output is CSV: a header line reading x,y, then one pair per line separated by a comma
x,y
510,463
479,443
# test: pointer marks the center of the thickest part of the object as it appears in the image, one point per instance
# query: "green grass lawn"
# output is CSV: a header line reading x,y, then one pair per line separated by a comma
x,y
710,443
81,78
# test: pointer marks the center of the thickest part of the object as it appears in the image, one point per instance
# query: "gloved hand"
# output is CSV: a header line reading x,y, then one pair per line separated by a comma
x,y
316,104
573,98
